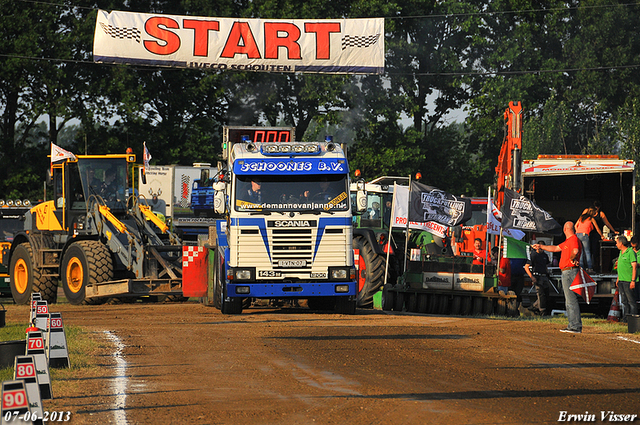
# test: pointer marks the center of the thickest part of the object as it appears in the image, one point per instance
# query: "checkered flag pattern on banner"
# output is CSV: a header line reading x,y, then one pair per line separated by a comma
x,y
359,40
115,32
184,199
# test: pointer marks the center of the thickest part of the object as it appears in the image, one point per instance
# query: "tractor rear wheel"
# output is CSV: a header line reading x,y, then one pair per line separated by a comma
x,y
85,263
25,278
371,276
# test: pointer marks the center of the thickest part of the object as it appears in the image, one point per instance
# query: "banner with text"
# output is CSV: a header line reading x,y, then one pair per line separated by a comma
x,y
429,203
399,216
337,46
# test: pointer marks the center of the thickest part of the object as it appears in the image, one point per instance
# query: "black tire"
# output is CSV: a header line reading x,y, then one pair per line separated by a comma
x,y
217,283
345,306
456,304
433,303
412,302
487,307
85,263
25,278
399,303
443,304
477,306
423,303
465,306
388,298
230,305
373,272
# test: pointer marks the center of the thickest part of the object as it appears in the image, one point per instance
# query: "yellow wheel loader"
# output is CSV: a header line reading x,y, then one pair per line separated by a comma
x,y
96,237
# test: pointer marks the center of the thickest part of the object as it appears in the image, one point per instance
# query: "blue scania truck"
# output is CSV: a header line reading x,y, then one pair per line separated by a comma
x,y
287,232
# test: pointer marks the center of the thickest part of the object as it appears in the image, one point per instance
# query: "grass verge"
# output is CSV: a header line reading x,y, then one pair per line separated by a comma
x,y
81,346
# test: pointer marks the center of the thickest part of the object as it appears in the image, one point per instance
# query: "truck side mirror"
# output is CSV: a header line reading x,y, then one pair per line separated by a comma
x,y
361,201
219,198
361,197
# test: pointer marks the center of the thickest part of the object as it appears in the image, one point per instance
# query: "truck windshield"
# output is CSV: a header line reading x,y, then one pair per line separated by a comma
x,y
291,193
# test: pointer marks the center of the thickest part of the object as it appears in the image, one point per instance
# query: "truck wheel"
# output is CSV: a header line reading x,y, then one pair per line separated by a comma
x,y
25,278
388,297
85,263
232,306
344,305
371,277
217,284
412,302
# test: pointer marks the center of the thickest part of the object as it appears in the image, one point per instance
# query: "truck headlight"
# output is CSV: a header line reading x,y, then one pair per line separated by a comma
x,y
242,290
342,288
242,274
339,273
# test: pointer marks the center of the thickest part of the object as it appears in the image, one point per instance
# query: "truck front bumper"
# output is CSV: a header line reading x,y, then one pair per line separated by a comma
x,y
291,290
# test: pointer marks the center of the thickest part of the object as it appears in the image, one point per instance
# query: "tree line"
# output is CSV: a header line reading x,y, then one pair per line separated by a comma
x,y
573,65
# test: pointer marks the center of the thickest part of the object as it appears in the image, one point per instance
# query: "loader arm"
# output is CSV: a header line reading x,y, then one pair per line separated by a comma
x,y
131,253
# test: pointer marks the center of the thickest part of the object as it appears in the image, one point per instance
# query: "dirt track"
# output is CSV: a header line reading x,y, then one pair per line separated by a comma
x,y
188,364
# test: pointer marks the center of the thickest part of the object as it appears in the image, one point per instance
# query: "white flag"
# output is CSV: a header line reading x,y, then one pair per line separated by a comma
x,y
59,154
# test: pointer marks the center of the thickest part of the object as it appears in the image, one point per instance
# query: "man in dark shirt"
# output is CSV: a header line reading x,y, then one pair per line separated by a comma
x,y
536,268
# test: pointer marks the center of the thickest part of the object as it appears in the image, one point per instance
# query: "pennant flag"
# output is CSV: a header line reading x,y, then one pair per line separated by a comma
x,y
514,248
431,204
583,285
146,156
59,154
519,212
494,222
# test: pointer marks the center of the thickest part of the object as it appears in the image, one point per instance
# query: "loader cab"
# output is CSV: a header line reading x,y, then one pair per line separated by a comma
x,y
79,184
103,179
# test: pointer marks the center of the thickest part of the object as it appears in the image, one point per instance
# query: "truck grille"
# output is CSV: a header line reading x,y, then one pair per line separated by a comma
x,y
292,249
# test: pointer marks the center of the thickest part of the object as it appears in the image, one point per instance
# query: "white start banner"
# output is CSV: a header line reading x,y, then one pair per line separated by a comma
x,y
399,216
335,46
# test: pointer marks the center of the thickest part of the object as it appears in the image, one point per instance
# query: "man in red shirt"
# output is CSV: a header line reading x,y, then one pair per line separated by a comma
x,y
571,251
479,255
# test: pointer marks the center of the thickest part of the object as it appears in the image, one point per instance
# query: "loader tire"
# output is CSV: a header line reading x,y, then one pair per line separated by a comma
x,y
85,263
372,275
25,278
